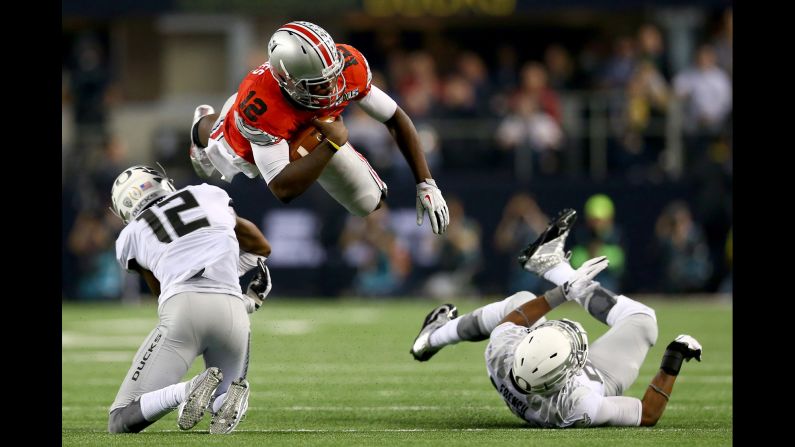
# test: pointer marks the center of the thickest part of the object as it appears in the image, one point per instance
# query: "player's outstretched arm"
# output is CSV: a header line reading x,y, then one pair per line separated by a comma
x,y
250,238
408,140
683,348
299,175
429,196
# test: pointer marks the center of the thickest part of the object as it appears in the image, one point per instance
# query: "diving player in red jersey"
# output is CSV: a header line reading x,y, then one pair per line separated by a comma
x,y
308,76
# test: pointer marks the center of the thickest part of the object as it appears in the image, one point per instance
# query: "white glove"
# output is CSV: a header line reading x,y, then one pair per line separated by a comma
x,y
581,286
688,346
429,198
259,287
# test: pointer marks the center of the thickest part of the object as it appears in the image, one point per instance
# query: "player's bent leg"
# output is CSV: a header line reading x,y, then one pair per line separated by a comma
x,y
478,324
159,362
442,327
620,352
150,389
227,324
217,155
352,182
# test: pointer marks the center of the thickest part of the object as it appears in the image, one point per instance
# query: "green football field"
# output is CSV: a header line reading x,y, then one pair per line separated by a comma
x,y
339,373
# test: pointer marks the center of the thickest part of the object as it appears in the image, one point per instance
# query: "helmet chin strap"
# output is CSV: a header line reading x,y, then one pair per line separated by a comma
x,y
163,170
515,384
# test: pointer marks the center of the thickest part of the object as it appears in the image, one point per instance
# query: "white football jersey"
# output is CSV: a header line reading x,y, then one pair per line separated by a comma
x,y
187,241
576,404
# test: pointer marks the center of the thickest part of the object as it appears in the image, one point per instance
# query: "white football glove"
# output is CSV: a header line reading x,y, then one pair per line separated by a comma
x,y
581,286
429,198
688,346
259,287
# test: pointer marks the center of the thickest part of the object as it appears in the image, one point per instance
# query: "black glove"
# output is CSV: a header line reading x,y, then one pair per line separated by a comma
x,y
260,286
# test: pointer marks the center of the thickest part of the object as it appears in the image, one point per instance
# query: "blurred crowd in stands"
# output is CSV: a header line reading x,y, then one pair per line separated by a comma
x,y
524,121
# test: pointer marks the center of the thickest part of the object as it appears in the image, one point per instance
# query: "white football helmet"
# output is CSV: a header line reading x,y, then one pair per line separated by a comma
x,y
549,355
305,62
137,187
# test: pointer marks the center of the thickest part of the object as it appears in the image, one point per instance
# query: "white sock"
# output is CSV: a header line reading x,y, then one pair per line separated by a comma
x,y
446,335
157,404
218,402
559,274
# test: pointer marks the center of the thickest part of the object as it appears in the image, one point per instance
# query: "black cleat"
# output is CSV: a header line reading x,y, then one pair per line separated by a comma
x,y
547,250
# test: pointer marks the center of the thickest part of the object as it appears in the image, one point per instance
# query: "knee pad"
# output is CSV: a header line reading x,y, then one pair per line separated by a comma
x,y
478,324
469,327
601,303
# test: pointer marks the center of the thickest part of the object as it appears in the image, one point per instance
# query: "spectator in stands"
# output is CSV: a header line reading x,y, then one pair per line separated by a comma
x,y
383,264
535,84
505,77
619,67
686,266
461,256
707,94
521,223
651,48
533,136
92,242
560,67
642,123
601,236
473,69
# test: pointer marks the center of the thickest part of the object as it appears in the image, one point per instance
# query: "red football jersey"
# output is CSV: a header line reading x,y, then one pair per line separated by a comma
x,y
268,116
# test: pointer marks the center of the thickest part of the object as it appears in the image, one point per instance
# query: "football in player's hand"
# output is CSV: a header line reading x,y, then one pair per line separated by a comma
x,y
306,140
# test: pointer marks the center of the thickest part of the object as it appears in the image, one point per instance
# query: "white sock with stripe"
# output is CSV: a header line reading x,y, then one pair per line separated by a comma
x,y
446,335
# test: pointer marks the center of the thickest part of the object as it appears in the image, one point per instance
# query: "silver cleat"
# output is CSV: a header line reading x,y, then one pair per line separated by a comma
x,y
200,391
421,349
234,408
